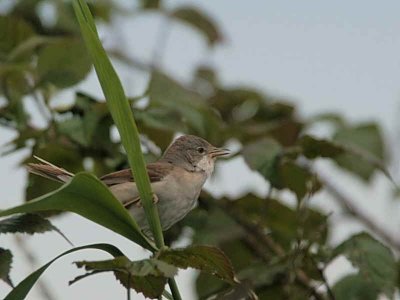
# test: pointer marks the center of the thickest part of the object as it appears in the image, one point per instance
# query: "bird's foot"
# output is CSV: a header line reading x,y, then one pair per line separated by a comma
x,y
155,198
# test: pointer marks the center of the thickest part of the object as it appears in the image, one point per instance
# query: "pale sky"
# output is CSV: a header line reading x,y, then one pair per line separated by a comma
x,y
323,56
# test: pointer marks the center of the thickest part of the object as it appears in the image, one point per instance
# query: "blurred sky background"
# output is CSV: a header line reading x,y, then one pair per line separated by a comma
x,y
323,56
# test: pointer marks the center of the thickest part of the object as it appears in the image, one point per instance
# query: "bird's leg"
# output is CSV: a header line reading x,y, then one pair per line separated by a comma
x,y
155,198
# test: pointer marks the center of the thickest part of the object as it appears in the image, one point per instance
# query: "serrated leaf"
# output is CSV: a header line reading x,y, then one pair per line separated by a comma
x,y
5,265
296,178
313,147
200,21
147,276
22,289
263,156
355,287
150,286
365,142
204,258
63,63
374,260
89,197
13,32
281,220
30,224
143,267
353,158
188,107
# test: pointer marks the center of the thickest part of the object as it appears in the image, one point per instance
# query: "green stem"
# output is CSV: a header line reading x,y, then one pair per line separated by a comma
x,y
174,289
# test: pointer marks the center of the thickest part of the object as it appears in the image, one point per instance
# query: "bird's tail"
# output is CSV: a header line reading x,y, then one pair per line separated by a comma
x,y
50,171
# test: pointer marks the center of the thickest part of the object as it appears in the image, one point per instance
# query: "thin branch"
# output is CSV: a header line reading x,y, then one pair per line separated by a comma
x,y
324,280
345,201
128,287
258,234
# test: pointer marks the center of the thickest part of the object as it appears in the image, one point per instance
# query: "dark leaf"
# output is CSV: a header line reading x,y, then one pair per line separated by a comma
x,y
296,178
30,224
148,4
207,286
374,260
211,226
192,111
200,21
204,258
13,32
263,156
64,63
348,155
143,267
313,147
366,143
150,286
283,221
5,265
147,276
261,274
355,287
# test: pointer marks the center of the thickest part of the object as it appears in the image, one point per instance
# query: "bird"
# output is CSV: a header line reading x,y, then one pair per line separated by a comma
x,y
177,179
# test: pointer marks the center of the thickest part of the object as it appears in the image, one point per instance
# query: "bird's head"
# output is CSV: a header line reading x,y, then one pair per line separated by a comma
x,y
193,153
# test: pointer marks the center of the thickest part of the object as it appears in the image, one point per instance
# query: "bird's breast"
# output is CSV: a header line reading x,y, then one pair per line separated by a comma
x,y
178,195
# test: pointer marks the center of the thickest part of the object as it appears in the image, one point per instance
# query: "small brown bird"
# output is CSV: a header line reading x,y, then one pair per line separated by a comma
x,y
176,179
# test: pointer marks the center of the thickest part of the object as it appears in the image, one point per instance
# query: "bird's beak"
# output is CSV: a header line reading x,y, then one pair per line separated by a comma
x,y
216,152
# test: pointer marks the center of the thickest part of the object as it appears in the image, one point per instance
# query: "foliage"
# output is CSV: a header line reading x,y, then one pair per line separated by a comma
x,y
260,245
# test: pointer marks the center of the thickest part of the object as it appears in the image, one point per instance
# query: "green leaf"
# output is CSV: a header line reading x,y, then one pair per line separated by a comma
x,y
148,4
13,32
210,226
355,159
30,224
23,288
193,112
374,260
296,178
82,127
355,287
87,196
283,221
366,143
5,265
147,276
73,129
263,156
204,258
313,147
261,274
143,267
63,63
200,21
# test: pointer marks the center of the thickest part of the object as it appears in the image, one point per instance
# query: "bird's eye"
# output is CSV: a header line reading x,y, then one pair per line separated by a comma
x,y
200,150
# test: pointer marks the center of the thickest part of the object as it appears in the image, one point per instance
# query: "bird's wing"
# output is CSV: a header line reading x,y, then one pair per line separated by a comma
x,y
122,184
156,171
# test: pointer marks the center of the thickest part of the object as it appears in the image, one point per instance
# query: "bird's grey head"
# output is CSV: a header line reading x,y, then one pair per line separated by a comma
x,y
193,153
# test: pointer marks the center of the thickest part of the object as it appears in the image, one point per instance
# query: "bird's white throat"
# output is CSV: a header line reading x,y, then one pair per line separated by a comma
x,y
206,164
